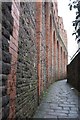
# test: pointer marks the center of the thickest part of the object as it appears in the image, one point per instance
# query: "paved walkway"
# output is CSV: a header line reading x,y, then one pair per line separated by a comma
x,y
61,101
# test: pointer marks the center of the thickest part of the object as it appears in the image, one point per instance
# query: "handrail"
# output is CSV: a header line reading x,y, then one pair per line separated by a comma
x,y
75,54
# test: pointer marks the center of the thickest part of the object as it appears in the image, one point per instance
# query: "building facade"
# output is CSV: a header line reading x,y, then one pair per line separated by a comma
x,y
34,54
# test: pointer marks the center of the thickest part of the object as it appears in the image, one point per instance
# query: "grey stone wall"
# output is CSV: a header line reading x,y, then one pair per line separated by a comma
x,y
7,28
26,86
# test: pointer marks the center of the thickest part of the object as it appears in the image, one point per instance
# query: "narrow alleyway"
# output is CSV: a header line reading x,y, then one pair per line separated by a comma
x,y
33,55
61,101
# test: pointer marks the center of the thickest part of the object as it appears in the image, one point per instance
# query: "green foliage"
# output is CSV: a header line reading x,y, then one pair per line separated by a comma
x,y
75,5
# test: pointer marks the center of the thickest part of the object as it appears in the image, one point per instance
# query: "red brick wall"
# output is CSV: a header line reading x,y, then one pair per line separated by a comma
x,y
50,50
13,48
59,65
62,62
62,31
47,42
55,52
38,43
58,60
27,92
66,63
55,11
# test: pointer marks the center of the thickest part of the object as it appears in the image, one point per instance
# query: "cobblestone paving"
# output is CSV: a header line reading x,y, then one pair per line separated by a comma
x,y
61,101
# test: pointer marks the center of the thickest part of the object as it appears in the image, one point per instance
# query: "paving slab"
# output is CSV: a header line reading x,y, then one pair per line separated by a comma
x,y
61,101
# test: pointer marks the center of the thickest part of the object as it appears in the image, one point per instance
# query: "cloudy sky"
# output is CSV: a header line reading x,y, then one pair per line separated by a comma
x,y
68,17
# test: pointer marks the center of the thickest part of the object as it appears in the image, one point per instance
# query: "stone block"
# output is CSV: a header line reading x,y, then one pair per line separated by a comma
x,y
6,68
5,44
4,79
5,33
7,24
6,5
4,90
6,57
5,100
8,16
5,112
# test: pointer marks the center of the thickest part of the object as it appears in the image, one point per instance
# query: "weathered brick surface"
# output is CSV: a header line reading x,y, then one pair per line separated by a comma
x,y
55,58
50,45
58,60
9,57
62,44
13,49
47,28
6,56
26,86
32,55
39,45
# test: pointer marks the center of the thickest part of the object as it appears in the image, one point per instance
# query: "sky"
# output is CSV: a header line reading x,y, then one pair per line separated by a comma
x,y
68,16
